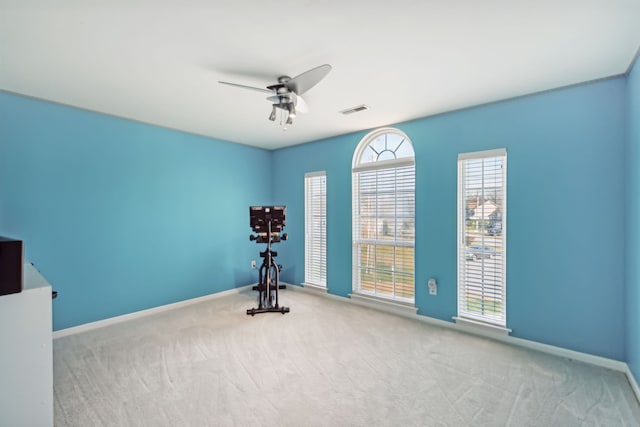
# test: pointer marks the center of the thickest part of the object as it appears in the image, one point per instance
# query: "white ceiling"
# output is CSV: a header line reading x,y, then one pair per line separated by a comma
x,y
159,62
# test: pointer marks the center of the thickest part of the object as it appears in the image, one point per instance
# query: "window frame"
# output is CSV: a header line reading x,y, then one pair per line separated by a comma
x,y
315,264
396,165
501,321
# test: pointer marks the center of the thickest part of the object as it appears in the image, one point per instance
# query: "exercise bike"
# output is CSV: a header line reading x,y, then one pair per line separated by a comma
x,y
268,222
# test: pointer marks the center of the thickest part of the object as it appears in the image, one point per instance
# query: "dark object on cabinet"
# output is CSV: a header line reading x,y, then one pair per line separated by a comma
x,y
11,265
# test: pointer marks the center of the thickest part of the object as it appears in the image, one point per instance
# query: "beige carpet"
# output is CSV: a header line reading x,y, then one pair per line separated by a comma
x,y
327,363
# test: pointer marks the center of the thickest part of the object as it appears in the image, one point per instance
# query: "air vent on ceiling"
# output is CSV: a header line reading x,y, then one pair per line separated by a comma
x,y
354,109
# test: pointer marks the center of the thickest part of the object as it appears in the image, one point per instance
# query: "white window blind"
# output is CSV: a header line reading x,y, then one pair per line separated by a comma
x,y
482,236
315,235
384,218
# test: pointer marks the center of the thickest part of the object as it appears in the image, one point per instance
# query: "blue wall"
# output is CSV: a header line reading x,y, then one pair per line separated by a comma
x,y
633,223
289,166
121,216
565,271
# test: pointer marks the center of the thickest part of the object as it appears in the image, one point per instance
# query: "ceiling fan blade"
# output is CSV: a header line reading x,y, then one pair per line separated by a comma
x,y
305,81
246,87
301,105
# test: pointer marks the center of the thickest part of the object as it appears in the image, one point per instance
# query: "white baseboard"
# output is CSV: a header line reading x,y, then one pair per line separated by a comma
x,y
479,327
142,313
633,382
314,290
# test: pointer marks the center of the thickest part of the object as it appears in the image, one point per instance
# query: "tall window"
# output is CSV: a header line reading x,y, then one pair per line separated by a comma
x,y
384,216
315,229
482,202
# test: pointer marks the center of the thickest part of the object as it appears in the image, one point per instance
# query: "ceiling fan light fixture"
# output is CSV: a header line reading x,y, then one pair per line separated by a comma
x,y
272,116
289,120
292,110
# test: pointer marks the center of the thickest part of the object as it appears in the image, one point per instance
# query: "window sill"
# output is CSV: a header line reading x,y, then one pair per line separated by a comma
x,y
481,328
389,306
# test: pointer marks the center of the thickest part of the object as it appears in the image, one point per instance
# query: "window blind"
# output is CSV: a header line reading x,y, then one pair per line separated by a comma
x,y
482,236
315,260
384,232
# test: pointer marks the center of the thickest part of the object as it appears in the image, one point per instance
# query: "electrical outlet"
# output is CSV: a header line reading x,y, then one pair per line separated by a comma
x,y
433,286
253,263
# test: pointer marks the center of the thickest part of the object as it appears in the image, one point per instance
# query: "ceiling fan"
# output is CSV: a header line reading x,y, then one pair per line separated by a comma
x,y
285,95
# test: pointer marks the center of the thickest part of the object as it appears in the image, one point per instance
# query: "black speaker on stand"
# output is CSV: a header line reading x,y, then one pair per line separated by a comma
x,y
11,265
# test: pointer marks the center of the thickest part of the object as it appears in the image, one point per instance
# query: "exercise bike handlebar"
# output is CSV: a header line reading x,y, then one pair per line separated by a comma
x,y
263,237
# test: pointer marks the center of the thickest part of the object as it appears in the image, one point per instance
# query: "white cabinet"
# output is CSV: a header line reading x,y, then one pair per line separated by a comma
x,y
26,358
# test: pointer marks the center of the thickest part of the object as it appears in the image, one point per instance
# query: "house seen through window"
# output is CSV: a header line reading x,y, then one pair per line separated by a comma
x,y
482,184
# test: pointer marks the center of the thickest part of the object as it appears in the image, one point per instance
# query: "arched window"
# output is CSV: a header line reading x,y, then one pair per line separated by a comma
x,y
383,179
